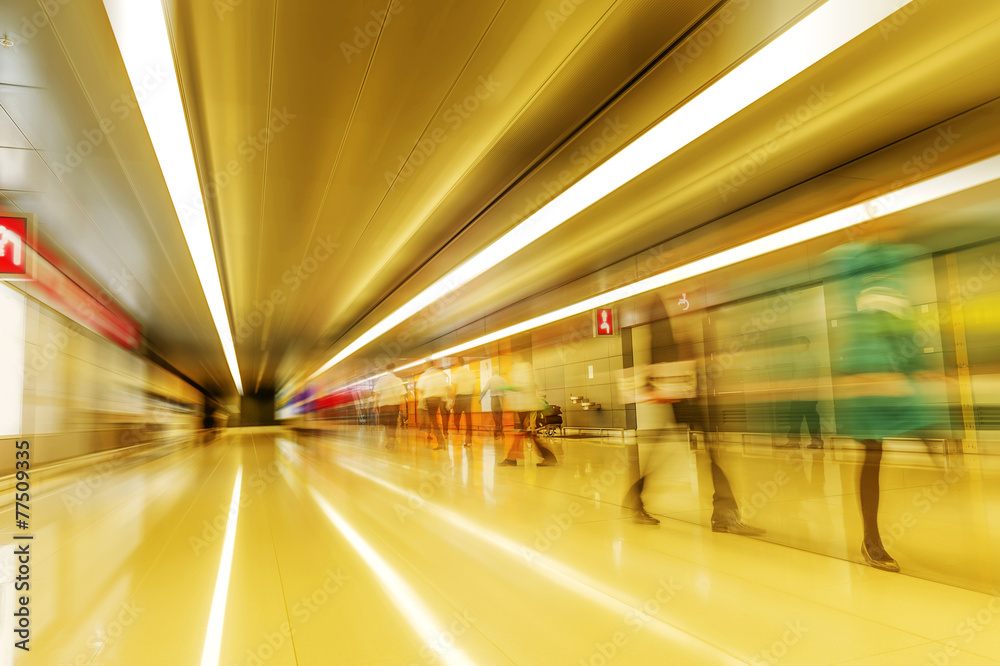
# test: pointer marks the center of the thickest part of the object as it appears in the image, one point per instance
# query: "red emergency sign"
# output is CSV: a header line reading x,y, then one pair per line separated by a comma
x,y
605,322
13,246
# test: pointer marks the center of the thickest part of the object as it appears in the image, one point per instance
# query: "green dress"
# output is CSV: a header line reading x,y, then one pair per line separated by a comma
x,y
867,296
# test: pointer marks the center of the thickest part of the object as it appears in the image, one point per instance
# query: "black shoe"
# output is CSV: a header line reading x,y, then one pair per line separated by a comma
x,y
736,526
507,463
643,518
878,558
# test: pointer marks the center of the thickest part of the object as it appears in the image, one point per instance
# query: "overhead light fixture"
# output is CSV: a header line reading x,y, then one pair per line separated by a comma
x,y
807,42
947,184
140,29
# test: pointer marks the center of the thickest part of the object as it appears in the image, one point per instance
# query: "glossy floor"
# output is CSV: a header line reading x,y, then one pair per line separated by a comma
x,y
268,547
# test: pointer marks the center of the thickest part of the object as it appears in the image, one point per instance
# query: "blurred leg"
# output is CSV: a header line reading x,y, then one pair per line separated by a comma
x,y
433,409
812,420
870,490
871,546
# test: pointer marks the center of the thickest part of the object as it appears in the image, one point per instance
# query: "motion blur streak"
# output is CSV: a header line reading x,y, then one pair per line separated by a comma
x,y
804,44
213,638
402,595
584,585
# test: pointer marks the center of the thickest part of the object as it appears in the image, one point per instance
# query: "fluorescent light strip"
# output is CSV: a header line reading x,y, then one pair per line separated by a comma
x,y
141,32
807,42
402,595
213,637
594,590
947,184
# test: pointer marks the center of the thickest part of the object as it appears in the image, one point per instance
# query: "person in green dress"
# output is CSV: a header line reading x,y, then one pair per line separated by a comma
x,y
874,362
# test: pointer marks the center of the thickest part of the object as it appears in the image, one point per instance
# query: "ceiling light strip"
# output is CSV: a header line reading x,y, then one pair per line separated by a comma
x,y
141,32
974,175
814,37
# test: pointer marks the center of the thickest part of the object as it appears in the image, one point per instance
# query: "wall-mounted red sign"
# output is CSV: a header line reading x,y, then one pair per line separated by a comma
x,y
13,247
605,321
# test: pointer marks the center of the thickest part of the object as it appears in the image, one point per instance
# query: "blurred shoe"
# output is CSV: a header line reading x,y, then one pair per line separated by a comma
x,y
643,518
816,444
736,526
549,462
507,463
878,558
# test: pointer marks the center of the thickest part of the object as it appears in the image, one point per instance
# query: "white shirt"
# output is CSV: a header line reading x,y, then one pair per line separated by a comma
x,y
463,381
433,384
390,390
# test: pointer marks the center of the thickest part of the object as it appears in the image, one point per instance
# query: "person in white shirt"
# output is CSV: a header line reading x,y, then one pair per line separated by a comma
x,y
433,388
390,393
497,387
525,403
463,382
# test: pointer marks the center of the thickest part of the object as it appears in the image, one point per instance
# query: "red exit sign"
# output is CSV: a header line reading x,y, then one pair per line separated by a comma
x,y
604,320
13,247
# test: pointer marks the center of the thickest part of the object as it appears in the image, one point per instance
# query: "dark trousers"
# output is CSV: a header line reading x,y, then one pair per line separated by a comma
x,y
463,405
434,407
388,416
803,409
724,506
497,407
522,421
869,492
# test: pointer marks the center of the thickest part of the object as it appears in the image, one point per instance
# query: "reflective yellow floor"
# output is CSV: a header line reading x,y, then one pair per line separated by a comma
x,y
344,553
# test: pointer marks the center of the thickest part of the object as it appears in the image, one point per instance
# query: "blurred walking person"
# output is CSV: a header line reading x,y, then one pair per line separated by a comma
x,y
463,382
874,361
433,388
496,386
390,393
673,389
525,403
